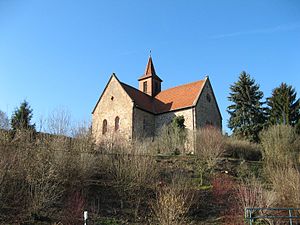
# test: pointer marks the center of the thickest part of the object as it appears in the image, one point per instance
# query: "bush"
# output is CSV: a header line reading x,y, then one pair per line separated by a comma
x,y
173,202
243,149
37,172
134,171
279,145
209,147
224,199
286,184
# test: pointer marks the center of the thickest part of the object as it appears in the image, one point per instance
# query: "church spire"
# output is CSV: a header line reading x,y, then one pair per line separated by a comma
x,y
150,67
149,82
150,70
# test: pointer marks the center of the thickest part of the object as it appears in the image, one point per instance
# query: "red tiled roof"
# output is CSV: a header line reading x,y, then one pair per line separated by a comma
x,y
168,100
178,97
140,99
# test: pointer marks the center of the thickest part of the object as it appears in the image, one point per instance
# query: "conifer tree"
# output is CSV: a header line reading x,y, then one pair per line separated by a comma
x,y
247,115
21,118
283,106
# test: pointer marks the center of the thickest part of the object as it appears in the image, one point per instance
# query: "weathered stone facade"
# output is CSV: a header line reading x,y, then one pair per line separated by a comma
x,y
207,111
143,123
130,113
114,102
166,118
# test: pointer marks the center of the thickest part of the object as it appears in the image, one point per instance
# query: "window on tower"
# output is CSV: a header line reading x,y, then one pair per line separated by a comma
x,y
156,88
145,86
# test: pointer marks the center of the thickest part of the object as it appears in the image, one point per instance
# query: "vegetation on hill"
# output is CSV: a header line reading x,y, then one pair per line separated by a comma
x,y
50,179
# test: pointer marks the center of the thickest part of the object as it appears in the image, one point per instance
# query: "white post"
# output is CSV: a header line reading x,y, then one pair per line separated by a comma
x,y
85,217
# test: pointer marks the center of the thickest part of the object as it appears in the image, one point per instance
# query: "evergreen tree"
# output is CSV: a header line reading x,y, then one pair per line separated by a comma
x,y
21,118
283,106
247,115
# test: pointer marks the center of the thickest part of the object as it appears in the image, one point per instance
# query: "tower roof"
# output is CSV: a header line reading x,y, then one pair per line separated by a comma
x,y
150,71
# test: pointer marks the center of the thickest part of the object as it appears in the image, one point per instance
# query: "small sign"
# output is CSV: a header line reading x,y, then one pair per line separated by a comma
x,y
85,215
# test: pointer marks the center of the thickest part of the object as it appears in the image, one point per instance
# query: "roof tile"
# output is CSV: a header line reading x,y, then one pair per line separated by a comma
x,y
168,100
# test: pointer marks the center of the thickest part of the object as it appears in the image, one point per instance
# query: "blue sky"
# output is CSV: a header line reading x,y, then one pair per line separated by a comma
x,y
62,53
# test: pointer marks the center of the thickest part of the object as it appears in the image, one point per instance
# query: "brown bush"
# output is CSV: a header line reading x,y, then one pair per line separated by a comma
x,y
37,171
173,202
286,184
133,170
224,196
209,147
242,149
279,145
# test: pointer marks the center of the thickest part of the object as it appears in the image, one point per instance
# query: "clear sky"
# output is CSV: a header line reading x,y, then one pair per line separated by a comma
x,y
56,53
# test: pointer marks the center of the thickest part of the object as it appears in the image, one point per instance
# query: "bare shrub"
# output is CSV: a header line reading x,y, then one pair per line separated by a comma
x,y
12,187
73,209
279,144
251,194
242,149
45,186
286,184
209,147
133,170
224,196
173,202
171,140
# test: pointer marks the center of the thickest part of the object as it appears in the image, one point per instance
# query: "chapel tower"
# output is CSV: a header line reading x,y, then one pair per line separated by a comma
x,y
149,82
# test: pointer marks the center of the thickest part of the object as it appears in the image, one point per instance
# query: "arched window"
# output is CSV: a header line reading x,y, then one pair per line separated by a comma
x,y
104,127
117,122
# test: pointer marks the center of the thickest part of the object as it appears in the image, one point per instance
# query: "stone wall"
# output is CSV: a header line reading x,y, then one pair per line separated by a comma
x,y
166,118
144,123
114,102
207,110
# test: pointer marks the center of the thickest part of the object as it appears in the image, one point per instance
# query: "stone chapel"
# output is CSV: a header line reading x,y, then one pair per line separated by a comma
x,y
130,113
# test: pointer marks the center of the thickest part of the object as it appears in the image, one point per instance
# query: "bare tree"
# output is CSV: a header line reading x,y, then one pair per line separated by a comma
x,y
4,121
59,122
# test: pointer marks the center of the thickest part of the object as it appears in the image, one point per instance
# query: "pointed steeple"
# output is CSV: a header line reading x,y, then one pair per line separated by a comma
x,y
150,67
149,82
150,71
